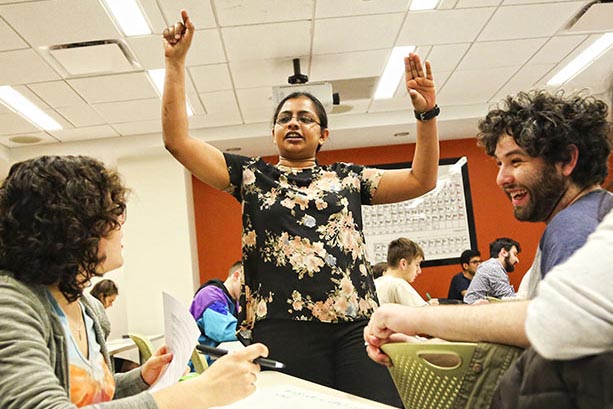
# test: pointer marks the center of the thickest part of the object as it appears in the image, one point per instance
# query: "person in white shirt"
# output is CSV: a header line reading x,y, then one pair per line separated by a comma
x,y
404,259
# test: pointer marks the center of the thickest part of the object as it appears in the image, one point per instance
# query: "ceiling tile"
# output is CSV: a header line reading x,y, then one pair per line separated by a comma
x,y
356,33
81,114
221,109
130,111
123,87
244,12
52,22
446,57
342,8
139,128
13,72
11,124
358,64
474,86
557,48
200,12
56,93
526,21
256,104
493,54
154,16
597,78
10,39
84,133
524,80
208,78
443,26
259,73
477,3
262,42
512,2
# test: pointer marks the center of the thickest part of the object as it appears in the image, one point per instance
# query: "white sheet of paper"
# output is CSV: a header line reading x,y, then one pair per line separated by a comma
x,y
181,337
289,396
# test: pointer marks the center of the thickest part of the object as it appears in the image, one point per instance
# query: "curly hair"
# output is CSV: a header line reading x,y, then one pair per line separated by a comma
x,y
53,212
545,125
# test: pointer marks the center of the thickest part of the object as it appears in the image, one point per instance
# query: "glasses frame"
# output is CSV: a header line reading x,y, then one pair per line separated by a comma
x,y
298,119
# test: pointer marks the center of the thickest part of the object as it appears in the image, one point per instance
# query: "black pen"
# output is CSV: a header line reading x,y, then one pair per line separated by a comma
x,y
218,352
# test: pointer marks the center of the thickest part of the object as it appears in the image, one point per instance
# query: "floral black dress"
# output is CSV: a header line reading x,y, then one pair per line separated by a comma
x,y
303,248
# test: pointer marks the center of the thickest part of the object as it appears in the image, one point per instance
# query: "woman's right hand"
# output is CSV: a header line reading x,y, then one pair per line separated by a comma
x,y
178,38
231,377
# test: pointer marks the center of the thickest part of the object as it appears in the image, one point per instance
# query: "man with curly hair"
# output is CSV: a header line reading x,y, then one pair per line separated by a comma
x,y
552,153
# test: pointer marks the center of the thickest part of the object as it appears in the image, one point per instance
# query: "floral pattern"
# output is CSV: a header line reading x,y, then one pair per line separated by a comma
x,y
303,248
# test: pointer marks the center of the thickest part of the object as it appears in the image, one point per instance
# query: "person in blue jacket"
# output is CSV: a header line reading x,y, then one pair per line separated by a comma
x,y
215,308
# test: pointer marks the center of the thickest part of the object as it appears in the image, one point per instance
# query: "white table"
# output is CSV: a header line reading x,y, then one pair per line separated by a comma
x,y
278,390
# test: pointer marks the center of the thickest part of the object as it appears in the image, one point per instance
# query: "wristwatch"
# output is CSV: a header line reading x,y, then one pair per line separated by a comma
x,y
424,116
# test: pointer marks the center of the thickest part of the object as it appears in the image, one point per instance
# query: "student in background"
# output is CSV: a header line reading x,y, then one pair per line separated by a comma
x,y
492,276
469,260
404,259
61,220
379,269
215,307
105,291
308,289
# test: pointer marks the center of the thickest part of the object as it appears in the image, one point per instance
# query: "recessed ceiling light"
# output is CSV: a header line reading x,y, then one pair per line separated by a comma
x,y
341,109
157,78
129,16
22,106
583,60
388,83
25,139
423,5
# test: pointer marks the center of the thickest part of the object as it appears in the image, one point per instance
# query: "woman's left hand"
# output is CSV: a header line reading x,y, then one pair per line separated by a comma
x,y
420,85
154,366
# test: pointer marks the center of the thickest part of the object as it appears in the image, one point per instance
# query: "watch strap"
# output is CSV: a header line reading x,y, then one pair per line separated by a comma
x,y
424,116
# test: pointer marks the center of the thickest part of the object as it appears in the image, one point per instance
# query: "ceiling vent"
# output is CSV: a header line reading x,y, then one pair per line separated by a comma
x,y
91,58
597,16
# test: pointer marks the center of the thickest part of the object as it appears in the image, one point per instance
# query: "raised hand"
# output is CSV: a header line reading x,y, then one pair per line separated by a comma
x,y
178,38
420,85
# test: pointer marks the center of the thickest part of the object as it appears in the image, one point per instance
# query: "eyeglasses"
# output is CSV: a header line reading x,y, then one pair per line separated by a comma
x,y
302,119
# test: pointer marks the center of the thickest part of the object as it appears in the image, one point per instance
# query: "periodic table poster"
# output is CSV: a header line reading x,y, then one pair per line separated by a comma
x,y
442,221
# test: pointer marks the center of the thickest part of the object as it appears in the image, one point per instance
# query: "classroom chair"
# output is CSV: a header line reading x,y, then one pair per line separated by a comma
x,y
145,348
448,375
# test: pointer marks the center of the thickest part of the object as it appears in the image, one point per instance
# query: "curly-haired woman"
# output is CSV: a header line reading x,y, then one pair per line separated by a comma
x,y
60,225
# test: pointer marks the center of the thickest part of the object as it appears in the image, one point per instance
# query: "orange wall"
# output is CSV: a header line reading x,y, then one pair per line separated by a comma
x,y
218,219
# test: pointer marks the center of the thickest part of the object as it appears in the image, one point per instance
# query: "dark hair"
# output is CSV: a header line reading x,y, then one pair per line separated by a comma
x,y
503,243
378,269
545,125
104,288
53,212
467,255
234,266
402,248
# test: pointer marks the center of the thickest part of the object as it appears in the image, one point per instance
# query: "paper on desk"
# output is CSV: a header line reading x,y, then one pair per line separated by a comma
x,y
290,396
181,334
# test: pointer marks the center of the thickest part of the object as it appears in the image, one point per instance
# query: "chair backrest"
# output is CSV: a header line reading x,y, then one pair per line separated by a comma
x,y
199,361
493,299
145,348
448,375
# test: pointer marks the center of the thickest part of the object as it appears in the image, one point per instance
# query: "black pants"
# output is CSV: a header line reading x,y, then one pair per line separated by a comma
x,y
332,355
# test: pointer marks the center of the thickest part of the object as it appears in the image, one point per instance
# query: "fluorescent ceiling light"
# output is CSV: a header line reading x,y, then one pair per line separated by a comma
x,y
583,60
21,105
157,78
423,5
388,83
129,16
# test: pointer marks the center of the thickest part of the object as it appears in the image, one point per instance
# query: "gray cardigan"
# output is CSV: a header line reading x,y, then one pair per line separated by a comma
x,y
34,359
